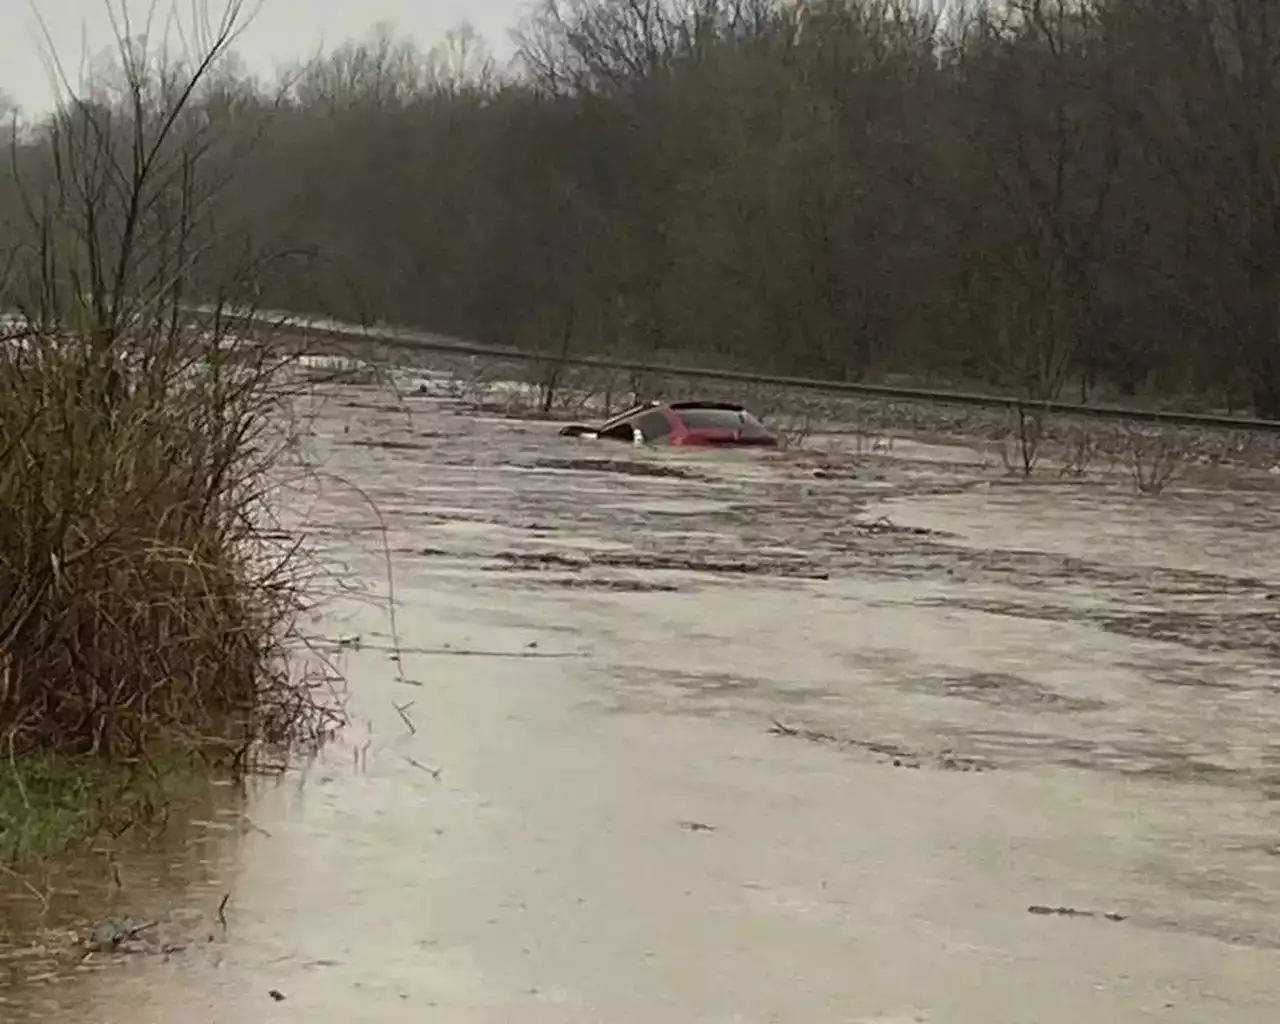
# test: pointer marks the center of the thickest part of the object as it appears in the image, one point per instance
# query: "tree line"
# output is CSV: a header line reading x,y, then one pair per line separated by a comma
x,y
1062,198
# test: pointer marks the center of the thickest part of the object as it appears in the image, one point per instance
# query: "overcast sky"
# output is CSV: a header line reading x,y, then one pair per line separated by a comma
x,y
283,31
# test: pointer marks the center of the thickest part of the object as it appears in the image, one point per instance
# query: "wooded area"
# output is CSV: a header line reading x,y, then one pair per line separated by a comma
x,y
1062,198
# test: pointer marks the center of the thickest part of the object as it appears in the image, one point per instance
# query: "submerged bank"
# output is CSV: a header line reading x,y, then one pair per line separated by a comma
x,y
51,804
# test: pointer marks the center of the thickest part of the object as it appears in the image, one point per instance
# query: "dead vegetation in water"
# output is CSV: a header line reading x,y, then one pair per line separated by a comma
x,y
652,561
1078,451
620,466
549,388
140,598
541,388
1046,911
1155,457
893,754
1021,449
1024,440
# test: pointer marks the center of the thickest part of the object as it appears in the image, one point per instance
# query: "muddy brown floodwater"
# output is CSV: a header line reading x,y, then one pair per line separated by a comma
x,y
741,737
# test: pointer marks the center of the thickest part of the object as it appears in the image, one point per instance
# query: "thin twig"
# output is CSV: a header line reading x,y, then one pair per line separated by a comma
x,y
433,772
403,711
26,884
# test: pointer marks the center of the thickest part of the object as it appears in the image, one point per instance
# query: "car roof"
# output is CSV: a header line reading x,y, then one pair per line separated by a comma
x,y
636,410
658,406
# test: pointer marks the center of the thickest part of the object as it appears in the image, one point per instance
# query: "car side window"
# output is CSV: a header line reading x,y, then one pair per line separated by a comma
x,y
653,425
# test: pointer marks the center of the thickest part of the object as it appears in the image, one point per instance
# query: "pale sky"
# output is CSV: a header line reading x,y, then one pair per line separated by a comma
x,y
283,31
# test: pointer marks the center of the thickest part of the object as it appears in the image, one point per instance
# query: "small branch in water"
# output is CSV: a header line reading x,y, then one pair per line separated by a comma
x,y
222,910
465,652
119,831
26,884
1036,908
137,930
813,735
398,651
389,561
433,772
403,711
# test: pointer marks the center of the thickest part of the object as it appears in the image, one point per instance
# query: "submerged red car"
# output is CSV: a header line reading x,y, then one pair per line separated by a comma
x,y
690,424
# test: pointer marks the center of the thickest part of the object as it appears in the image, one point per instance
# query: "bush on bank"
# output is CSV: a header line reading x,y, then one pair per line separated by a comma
x,y
144,611
144,616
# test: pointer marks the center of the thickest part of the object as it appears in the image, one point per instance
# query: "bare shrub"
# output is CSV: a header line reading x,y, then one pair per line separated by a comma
x,y
545,387
612,392
1079,448
787,414
1155,457
792,429
1021,449
867,439
573,391
471,382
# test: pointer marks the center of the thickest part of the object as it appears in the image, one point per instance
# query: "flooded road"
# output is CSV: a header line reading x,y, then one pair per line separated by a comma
x,y
736,737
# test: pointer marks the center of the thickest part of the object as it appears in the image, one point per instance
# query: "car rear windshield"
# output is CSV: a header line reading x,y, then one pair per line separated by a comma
x,y
722,419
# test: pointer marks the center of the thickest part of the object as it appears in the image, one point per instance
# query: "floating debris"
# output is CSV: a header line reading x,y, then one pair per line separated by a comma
x,y
1036,908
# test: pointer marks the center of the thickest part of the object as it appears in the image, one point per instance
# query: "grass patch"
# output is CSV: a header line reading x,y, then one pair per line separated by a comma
x,y
52,803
